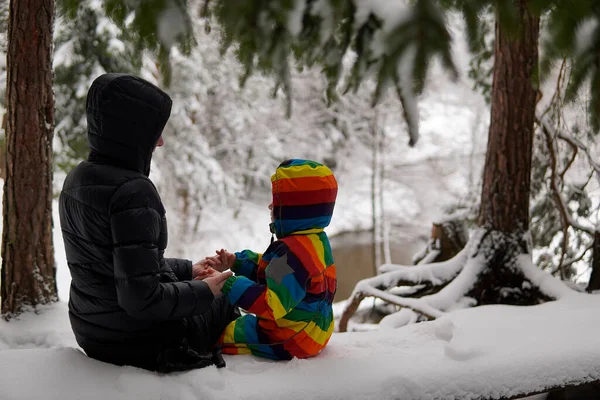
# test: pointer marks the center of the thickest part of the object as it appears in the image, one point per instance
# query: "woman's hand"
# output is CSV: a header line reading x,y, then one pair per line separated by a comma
x,y
216,282
201,270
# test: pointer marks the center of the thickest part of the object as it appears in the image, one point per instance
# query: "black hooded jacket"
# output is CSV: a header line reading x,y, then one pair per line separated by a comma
x,y
127,303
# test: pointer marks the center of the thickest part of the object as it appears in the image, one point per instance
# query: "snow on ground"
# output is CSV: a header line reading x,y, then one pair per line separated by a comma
x,y
491,351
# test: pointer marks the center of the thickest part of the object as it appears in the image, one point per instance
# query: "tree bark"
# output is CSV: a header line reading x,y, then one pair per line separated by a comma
x,y
594,283
507,172
449,238
28,266
376,219
504,211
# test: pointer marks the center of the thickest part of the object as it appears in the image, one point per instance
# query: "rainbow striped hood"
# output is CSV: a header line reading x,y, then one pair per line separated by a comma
x,y
304,195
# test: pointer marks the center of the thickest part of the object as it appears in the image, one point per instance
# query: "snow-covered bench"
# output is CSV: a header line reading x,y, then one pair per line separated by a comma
x,y
487,352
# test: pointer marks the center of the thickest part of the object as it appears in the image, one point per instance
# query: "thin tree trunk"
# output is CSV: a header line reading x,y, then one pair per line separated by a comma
x,y
385,226
374,197
28,267
594,283
507,173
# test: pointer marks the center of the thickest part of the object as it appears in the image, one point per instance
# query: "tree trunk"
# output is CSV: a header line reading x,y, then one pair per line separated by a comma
x,y
594,283
504,211
447,238
375,194
507,173
28,267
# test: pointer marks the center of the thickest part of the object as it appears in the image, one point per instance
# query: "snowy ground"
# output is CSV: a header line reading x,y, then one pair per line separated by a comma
x,y
486,352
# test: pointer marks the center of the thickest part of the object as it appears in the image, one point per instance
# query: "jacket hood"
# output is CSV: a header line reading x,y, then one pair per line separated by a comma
x,y
125,115
304,194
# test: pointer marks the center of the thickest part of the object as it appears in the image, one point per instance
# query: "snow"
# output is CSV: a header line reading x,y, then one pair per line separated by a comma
x,y
391,12
63,55
491,351
171,23
585,34
323,9
403,317
295,18
436,273
550,285
406,67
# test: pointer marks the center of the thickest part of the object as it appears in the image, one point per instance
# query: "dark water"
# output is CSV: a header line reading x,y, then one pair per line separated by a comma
x,y
353,255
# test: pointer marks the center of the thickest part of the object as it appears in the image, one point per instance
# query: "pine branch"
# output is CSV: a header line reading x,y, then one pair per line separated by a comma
x,y
397,47
574,32
154,25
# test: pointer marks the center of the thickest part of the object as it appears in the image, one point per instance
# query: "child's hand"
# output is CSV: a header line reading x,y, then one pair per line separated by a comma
x,y
215,262
227,258
223,261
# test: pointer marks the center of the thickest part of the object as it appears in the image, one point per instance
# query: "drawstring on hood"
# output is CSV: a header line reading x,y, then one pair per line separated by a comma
x,y
126,115
304,194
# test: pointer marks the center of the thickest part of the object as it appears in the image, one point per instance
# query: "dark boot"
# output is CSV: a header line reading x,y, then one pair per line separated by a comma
x,y
204,330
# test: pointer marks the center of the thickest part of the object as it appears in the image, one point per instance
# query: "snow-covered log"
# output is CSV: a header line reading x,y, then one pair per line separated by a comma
x,y
491,352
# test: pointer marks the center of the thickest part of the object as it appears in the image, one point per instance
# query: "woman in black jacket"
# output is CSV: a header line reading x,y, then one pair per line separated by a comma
x,y
128,305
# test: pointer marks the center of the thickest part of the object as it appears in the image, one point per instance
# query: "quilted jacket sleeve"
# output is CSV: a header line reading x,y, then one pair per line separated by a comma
x,y
181,267
135,212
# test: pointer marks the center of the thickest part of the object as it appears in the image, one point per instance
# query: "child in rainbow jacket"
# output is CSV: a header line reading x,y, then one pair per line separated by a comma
x,y
288,290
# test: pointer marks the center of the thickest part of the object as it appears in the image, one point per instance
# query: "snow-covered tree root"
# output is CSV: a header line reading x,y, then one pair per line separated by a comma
x,y
493,268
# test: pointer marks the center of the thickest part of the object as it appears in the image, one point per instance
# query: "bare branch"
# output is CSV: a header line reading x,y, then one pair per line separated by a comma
x,y
576,142
573,260
575,150
550,132
558,200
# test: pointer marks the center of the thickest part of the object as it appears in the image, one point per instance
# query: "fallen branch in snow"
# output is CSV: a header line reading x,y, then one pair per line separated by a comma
x,y
360,293
493,268
428,276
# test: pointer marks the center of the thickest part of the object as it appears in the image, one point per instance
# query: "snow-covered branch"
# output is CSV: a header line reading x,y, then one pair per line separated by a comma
x,y
416,305
435,273
548,284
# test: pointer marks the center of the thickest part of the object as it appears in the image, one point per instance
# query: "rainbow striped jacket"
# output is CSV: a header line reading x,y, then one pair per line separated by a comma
x,y
289,288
